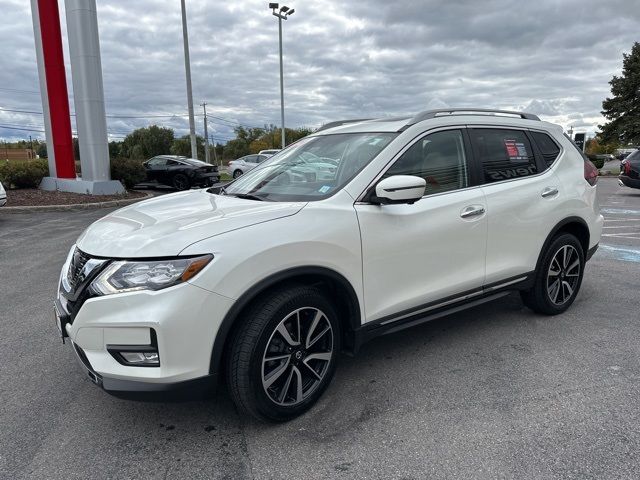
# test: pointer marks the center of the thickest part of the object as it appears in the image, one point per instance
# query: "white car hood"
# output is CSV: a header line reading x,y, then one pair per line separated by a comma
x,y
166,225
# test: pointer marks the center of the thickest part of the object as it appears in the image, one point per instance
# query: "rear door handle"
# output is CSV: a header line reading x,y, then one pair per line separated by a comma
x,y
549,192
472,211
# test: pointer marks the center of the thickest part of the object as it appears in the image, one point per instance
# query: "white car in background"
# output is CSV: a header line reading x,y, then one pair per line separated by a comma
x,y
3,196
242,165
269,152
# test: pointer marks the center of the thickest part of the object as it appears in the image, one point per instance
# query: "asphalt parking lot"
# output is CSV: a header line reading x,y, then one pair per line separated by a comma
x,y
493,392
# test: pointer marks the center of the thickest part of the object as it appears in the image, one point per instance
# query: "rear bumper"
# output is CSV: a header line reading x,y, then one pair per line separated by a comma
x,y
623,180
212,177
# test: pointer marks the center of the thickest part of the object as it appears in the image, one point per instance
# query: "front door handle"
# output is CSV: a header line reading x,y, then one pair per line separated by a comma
x,y
549,192
472,211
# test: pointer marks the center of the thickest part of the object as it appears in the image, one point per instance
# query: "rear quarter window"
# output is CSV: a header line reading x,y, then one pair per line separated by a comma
x,y
547,146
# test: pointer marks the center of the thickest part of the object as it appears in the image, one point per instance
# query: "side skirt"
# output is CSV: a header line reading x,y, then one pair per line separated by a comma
x,y
439,309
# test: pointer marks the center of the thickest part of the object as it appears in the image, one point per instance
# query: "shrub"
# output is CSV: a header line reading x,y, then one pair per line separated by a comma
x,y
598,162
128,171
23,174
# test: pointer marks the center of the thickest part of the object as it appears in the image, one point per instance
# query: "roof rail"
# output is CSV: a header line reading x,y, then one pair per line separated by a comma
x,y
467,111
341,122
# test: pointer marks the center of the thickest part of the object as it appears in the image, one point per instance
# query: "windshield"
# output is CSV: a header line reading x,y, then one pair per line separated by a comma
x,y
311,169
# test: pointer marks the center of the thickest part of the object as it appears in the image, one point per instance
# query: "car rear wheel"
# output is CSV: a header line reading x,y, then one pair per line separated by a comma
x,y
181,182
283,355
558,278
237,173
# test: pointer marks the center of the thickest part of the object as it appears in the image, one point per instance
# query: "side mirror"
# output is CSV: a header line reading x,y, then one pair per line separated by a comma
x,y
399,189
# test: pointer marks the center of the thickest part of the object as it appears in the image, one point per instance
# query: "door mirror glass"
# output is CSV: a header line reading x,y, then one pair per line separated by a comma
x,y
399,189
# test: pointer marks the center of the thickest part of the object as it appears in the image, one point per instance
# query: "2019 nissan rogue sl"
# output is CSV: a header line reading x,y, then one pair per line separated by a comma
x,y
360,229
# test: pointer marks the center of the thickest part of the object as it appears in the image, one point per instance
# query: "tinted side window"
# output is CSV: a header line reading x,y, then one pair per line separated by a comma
x,y
439,158
504,154
549,149
173,163
157,162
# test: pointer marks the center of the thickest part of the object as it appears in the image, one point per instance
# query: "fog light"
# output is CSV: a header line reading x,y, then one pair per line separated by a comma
x,y
141,358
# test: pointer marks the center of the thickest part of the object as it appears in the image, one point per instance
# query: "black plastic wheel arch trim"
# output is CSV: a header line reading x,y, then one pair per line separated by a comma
x,y
354,320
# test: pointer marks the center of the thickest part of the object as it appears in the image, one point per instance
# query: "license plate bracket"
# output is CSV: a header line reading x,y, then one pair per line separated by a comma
x,y
61,322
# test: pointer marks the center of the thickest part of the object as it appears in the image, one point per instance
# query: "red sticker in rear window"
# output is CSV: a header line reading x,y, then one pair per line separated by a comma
x,y
515,150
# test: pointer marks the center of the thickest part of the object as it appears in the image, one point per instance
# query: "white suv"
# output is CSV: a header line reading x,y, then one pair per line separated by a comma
x,y
359,230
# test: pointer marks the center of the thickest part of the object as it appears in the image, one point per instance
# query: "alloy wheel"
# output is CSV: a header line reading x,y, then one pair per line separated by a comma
x,y
563,274
180,182
297,356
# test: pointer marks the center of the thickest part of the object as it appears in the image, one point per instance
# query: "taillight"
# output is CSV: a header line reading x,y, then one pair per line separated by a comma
x,y
627,168
590,172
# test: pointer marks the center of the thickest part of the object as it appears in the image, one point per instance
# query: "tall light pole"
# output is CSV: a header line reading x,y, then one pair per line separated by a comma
x,y
282,14
206,135
187,67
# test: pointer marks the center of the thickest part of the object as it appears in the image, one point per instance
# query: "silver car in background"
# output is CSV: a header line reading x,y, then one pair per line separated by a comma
x,y
242,165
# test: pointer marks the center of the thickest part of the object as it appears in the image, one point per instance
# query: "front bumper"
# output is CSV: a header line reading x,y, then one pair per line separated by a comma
x,y
183,320
138,390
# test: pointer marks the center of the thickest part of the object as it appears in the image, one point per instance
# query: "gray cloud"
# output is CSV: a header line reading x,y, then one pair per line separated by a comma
x,y
342,60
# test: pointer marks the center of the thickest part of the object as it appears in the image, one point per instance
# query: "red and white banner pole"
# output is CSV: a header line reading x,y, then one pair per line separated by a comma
x,y
55,99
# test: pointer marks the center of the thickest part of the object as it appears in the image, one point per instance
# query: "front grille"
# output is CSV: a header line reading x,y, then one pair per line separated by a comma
x,y
83,268
76,275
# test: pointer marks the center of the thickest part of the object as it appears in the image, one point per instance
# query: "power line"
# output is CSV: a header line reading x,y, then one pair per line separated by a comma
x,y
15,90
172,115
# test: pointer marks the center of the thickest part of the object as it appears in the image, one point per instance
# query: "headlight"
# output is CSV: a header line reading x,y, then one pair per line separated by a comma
x,y
127,276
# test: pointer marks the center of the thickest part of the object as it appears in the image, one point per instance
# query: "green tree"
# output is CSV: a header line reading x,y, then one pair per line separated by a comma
x,y
42,150
622,109
151,141
596,146
182,146
114,149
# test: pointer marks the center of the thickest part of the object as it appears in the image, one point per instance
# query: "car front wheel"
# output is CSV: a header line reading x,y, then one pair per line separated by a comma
x,y
237,173
283,355
558,278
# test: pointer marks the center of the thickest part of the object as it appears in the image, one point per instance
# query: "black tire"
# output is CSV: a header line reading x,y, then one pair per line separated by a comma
x,y
540,297
180,182
237,173
255,338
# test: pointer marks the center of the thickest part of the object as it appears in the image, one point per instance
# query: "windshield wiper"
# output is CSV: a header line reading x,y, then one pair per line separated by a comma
x,y
246,196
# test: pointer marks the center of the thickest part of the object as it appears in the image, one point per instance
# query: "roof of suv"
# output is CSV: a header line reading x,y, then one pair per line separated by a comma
x,y
442,116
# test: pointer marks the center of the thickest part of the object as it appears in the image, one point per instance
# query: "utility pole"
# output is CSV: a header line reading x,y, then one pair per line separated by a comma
x,y
30,148
187,67
206,135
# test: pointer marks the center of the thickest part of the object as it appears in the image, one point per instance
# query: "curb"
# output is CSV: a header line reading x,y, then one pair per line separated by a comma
x,y
75,206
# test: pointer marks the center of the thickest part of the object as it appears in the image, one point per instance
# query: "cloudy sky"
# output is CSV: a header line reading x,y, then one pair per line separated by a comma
x,y
342,60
